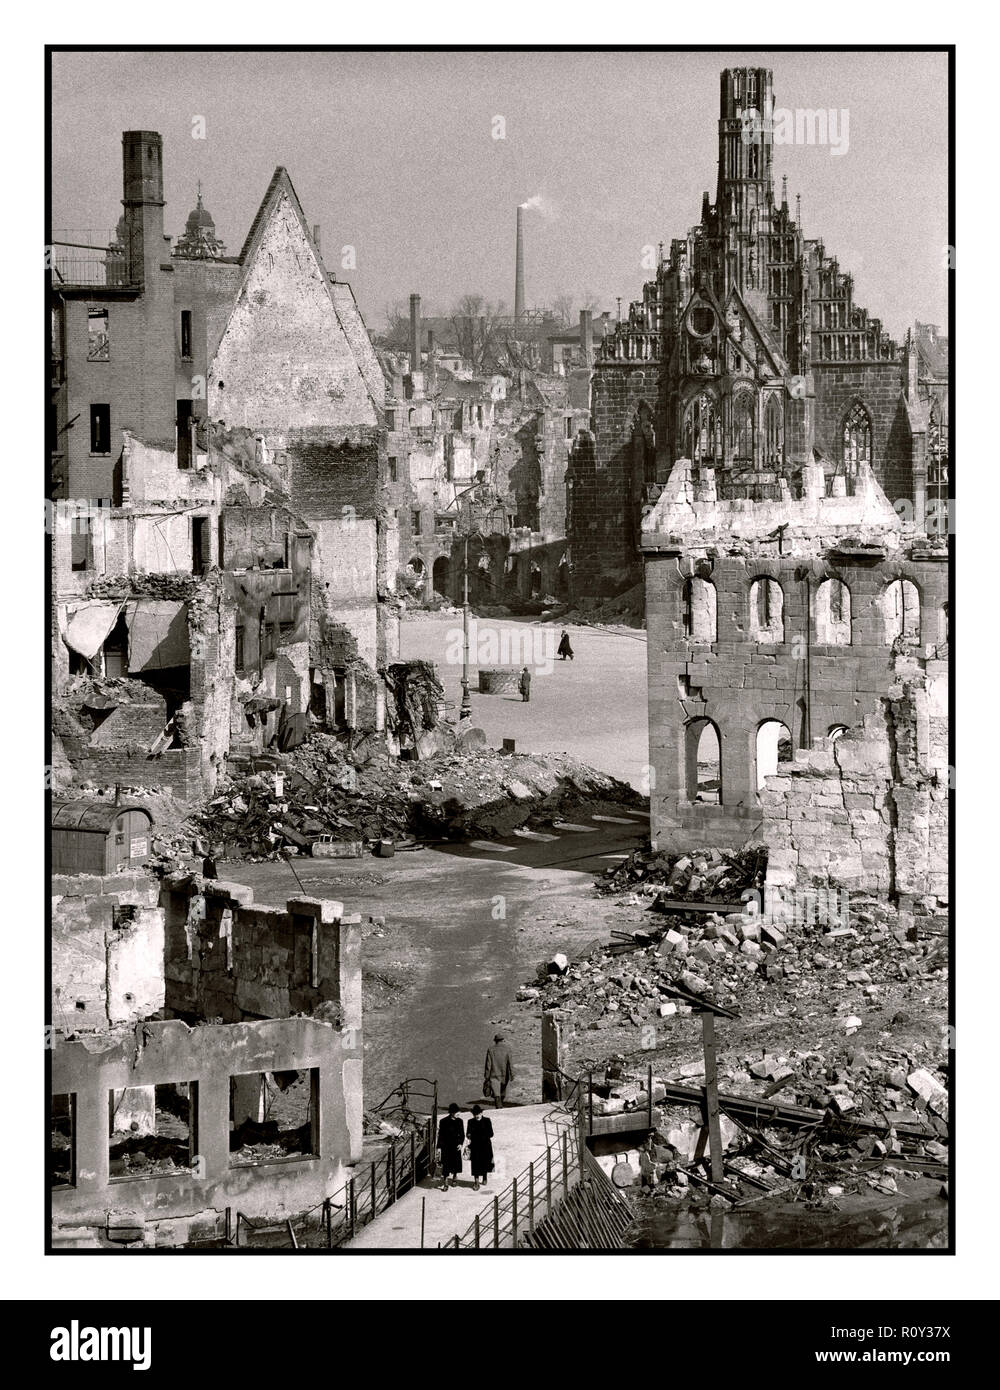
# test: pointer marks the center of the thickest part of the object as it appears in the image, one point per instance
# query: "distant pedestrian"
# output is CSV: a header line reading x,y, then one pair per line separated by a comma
x,y
451,1133
524,684
479,1133
564,648
499,1070
209,867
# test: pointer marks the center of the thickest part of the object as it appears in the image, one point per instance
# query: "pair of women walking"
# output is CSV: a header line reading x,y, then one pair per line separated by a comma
x,y
478,1140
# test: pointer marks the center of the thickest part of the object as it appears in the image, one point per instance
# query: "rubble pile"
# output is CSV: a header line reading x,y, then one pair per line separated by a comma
x,y
319,790
703,874
746,961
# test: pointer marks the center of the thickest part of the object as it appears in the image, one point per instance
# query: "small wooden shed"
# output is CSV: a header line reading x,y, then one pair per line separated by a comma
x,y
97,836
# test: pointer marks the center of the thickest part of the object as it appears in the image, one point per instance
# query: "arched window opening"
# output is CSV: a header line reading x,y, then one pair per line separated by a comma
x,y
836,731
536,581
857,439
901,609
701,442
774,747
703,756
442,576
743,430
833,614
773,433
767,603
700,607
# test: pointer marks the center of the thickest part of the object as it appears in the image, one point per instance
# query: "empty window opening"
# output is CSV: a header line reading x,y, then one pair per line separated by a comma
x,y
62,1141
116,650
200,545
901,610
98,342
767,611
185,414
273,1117
393,469
152,1130
833,614
836,731
441,576
186,334
774,746
700,604
703,755
100,429
81,543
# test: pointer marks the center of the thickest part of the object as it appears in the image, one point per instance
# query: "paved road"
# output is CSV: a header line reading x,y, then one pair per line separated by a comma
x,y
469,921
593,707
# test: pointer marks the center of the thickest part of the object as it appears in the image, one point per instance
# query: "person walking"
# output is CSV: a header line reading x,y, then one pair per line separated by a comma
x,y
479,1133
564,648
451,1133
499,1070
524,685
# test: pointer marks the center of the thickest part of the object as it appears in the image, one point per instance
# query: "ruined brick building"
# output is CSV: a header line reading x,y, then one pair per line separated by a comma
x,y
206,1058
798,681
748,354
217,447
482,457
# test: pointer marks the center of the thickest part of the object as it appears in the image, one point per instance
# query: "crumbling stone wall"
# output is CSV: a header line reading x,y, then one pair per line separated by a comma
x,y
107,951
738,681
231,959
869,810
284,360
174,1208
602,508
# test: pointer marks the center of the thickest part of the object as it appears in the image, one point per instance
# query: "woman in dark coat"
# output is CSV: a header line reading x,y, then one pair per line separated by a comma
x,y
479,1134
451,1133
564,649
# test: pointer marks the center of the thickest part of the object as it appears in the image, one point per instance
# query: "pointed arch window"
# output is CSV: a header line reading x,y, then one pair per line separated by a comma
x,y
857,439
743,429
701,430
773,433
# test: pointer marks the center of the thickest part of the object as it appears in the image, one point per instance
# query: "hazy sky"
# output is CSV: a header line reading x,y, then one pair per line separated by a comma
x,y
393,154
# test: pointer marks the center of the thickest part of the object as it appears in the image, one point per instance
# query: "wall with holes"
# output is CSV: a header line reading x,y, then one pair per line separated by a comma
x,y
107,951
803,670
174,1208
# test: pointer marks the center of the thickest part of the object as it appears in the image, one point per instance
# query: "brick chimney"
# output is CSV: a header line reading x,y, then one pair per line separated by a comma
x,y
414,333
587,337
519,268
142,199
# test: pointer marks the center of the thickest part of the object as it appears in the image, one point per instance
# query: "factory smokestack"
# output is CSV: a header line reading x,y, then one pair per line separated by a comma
x,y
414,333
519,269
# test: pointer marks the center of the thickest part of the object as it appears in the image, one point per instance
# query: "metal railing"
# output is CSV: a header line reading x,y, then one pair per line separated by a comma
x,y
527,1200
563,1200
373,1187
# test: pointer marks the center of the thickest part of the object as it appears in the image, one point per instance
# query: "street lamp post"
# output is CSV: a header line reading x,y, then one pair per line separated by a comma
x,y
465,710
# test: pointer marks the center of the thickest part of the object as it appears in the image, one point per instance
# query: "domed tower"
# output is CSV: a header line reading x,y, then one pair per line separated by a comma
x,y
198,241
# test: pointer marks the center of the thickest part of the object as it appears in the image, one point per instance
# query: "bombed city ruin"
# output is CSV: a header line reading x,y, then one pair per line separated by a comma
x,y
567,684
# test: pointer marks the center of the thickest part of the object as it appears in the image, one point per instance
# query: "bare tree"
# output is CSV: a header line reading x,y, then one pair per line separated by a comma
x,y
562,307
397,319
479,331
